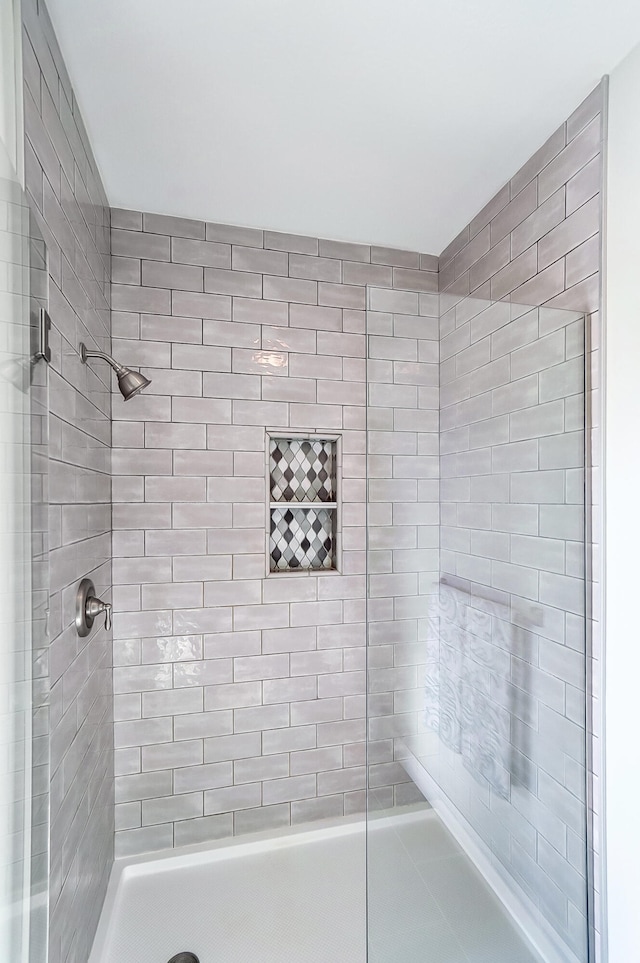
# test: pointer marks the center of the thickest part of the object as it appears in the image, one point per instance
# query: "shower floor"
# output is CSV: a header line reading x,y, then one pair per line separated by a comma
x,y
301,898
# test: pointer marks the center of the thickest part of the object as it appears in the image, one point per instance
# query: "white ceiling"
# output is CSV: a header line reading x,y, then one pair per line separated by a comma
x,y
387,121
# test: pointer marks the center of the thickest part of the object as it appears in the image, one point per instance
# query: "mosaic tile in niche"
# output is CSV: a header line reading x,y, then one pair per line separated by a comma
x,y
302,539
302,470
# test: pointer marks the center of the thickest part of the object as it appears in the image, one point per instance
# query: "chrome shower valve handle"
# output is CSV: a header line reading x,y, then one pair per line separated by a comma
x,y
88,608
95,606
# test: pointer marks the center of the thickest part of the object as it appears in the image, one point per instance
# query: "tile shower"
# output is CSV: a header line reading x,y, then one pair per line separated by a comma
x,y
240,696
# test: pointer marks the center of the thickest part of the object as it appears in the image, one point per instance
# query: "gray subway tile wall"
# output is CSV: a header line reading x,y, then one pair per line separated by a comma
x,y
240,697
547,212
557,242
66,195
520,589
403,535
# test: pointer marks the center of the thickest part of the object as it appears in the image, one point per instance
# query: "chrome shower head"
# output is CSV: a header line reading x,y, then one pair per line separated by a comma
x,y
130,382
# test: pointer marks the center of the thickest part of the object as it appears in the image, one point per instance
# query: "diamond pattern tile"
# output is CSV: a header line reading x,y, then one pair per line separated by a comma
x,y
301,539
302,470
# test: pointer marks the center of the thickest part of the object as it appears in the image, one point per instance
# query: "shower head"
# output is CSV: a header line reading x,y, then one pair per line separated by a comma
x,y
130,382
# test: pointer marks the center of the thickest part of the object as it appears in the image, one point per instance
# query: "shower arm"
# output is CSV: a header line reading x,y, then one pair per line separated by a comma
x,y
130,382
85,353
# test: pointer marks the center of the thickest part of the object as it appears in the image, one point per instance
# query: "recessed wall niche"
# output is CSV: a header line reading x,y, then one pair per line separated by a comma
x,y
303,503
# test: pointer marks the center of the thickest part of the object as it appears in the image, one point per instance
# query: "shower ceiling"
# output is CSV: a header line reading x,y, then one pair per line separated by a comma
x,y
385,121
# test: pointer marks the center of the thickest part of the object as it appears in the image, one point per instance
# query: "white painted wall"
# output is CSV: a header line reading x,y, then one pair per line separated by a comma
x,y
377,121
622,512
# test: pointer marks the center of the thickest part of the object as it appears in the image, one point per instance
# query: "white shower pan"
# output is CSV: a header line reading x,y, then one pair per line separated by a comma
x,y
298,897
301,897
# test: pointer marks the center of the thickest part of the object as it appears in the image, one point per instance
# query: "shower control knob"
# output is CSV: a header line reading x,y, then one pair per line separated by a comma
x,y
88,608
93,609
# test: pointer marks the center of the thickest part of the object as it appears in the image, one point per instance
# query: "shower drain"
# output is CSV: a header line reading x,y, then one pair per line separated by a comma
x,y
184,958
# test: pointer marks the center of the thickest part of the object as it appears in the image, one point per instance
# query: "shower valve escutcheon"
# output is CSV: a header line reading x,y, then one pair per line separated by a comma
x,y
88,608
